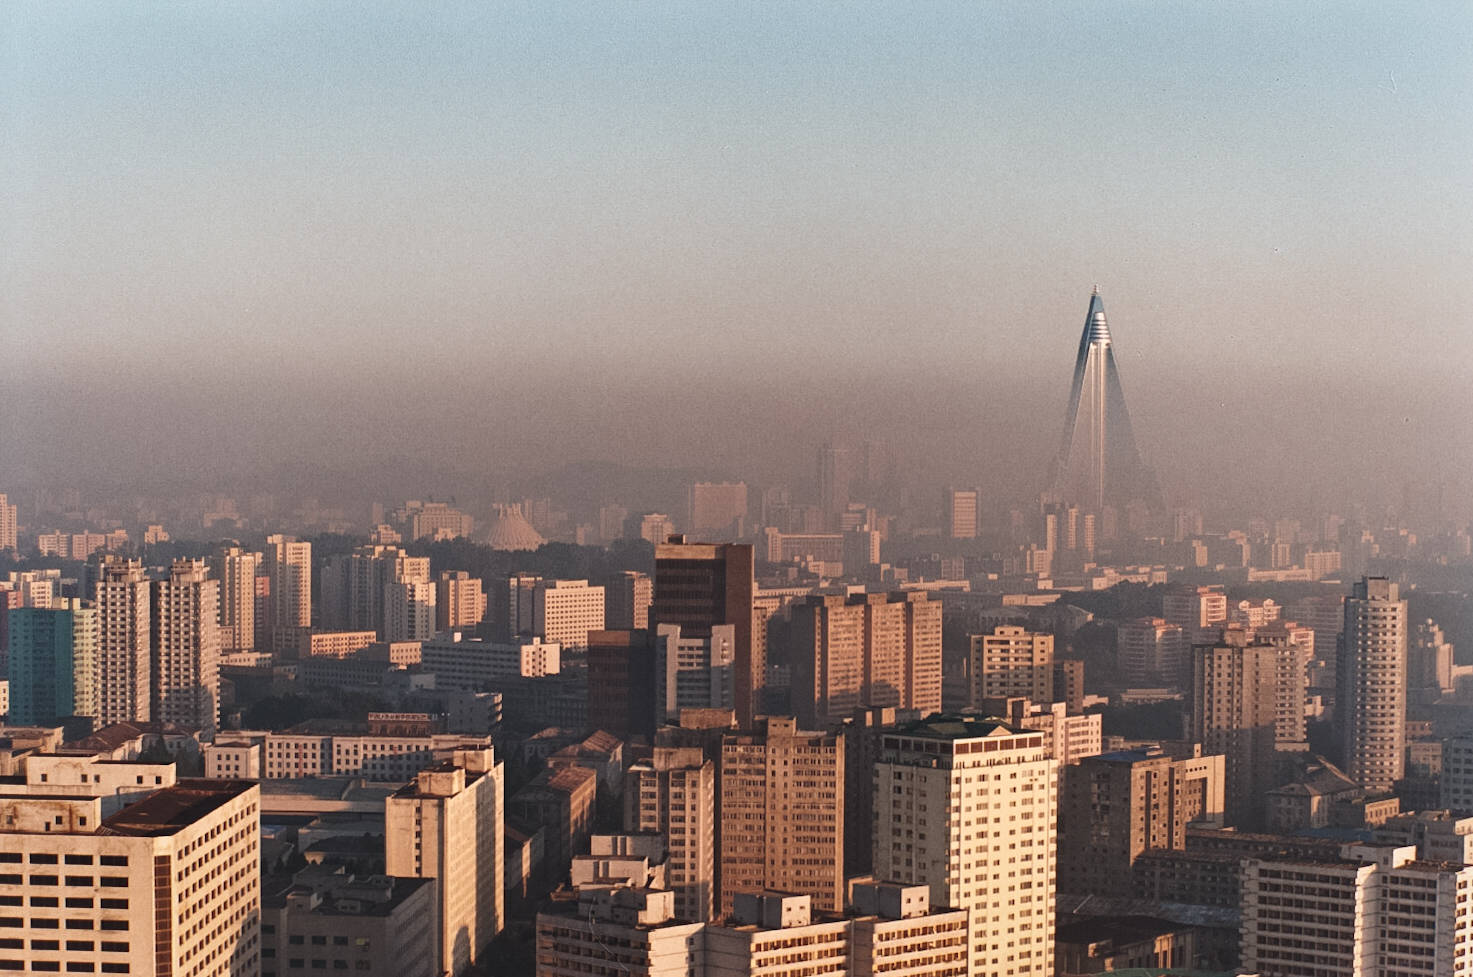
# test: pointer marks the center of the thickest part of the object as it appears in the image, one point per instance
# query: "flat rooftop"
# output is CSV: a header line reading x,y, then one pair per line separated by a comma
x,y
167,811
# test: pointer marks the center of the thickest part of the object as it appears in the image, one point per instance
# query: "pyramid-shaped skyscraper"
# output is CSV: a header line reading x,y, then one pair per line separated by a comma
x,y
1098,464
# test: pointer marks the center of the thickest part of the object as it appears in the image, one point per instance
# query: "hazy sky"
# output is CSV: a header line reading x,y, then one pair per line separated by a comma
x,y
491,236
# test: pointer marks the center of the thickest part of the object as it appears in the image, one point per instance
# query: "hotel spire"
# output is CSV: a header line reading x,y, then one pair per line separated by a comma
x,y
1098,464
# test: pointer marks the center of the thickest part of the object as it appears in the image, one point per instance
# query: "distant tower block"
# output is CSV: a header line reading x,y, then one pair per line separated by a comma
x,y
1098,464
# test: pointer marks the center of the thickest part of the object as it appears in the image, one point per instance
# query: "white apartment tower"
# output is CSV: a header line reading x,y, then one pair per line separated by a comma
x,y
186,648
1371,673
288,564
123,645
448,825
968,807
564,611
1376,912
237,569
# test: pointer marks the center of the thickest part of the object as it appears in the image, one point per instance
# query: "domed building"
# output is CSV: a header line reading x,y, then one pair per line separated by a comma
x,y
510,530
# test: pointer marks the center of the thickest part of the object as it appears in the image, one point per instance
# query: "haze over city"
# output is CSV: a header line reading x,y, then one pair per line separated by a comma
x,y
447,250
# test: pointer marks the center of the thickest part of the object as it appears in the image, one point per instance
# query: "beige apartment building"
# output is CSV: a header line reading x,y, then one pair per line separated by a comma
x,y
1375,912
236,570
462,662
304,753
169,885
125,659
674,793
333,644
1372,675
448,825
782,813
186,648
619,932
967,807
460,602
288,566
1235,700
563,612
865,651
8,524
1012,661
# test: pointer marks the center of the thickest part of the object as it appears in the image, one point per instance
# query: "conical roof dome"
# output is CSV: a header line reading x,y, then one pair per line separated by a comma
x,y
510,530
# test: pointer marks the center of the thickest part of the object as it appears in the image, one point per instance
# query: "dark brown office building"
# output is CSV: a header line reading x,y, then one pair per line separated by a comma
x,y
701,585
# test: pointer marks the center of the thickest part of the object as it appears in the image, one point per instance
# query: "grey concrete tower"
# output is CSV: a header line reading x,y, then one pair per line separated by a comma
x,y
1098,464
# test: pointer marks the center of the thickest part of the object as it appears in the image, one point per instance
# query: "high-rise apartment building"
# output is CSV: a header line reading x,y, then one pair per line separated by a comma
x,y
627,598
53,662
459,601
1371,672
1196,610
288,565
1012,661
448,825
186,648
691,672
864,651
967,808
165,886
962,512
782,813
1151,651
1376,911
1118,805
701,585
124,655
8,524
717,506
1235,697
674,793
561,611
236,570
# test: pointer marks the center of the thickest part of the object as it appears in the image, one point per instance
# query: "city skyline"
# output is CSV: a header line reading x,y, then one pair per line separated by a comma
x,y
864,225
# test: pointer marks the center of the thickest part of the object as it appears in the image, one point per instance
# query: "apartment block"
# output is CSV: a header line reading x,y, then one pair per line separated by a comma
x,y
461,662
556,611
782,813
1370,703
448,825
693,672
460,603
186,648
700,586
674,793
1115,806
1153,651
1235,699
1012,661
1374,911
236,570
967,807
318,919
1196,610
864,651
125,658
169,884
288,567
303,752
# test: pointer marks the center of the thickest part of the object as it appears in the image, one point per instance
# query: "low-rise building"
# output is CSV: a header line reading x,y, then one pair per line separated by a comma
x,y
321,919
